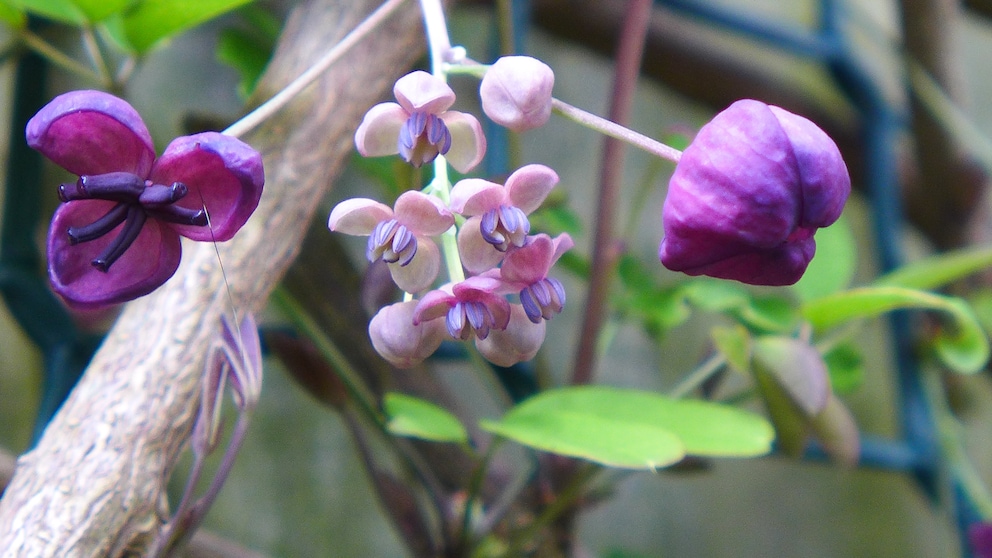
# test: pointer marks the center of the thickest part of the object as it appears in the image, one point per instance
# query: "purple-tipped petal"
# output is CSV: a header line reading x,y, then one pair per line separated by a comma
x,y
477,255
398,340
422,92
222,173
422,213
475,196
516,92
358,216
518,342
92,132
152,258
421,271
376,135
741,195
468,143
529,185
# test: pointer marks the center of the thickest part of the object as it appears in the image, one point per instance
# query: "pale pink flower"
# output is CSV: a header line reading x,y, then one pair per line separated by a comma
x,y
471,308
525,272
400,236
419,126
516,92
401,342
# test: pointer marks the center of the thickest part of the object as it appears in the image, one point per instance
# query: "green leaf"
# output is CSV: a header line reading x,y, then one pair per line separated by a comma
x,y
734,343
770,313
12,15
964,347
834,264
790,424
151,21
714,295
630,428
936,271
64,11
417,418
243,52
845,367
98,10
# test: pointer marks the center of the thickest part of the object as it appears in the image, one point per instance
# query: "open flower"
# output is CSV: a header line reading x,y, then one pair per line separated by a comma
x,y
116,237
420,127
498,213
471,308
516,92
748,194
399,236
525,272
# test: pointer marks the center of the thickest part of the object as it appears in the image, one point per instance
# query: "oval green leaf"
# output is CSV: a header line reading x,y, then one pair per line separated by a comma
x,y
938,270
630,428
151,21
834,264
417,418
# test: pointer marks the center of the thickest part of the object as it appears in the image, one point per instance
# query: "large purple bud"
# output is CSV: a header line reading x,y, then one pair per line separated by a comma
x,y
748,194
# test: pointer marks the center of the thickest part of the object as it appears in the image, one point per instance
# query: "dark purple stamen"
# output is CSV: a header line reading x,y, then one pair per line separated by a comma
x,y
137,200
132,227
476,315
422,137
392,242
543,299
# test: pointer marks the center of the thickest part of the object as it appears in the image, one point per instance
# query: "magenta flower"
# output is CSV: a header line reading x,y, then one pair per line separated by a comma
x,y
516,92
116,237
399,236
398,340
498,213
420,126
471,308
525,272
980,539
748,194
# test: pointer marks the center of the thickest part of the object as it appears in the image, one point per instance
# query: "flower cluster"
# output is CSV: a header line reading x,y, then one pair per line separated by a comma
x,y
116,235
504,303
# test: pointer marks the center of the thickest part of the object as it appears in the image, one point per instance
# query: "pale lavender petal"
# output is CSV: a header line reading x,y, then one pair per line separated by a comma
x,y
485,290
401,342
475,196
468,143
422,213
529,263
222,173
529,185
422,270
377,134
358,216
563,243
92,132
422,92
477,255
149,262
516,92
434,305
518,342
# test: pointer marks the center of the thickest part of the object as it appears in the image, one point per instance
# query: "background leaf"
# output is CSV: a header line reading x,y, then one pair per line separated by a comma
x,y
630,428
151,21
939,270
64,11
834,264
12,15
97,10
417,418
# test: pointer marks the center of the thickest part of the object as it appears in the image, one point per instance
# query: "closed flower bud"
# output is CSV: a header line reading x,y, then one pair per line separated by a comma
x,y
516,92
748,194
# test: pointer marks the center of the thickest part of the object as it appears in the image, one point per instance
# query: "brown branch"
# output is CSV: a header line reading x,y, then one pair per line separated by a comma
x,y
94,484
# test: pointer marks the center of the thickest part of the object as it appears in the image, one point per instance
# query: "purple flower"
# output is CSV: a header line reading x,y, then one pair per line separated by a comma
x,y
399,236
516,92
116,237
525,272
749,193
420,126
498,213
471,308
980,539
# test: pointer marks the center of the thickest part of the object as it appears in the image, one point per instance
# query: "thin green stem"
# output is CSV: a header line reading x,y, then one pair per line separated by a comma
x,y
565,499
615,130
57,57
97,57
280,99
474,489
703,372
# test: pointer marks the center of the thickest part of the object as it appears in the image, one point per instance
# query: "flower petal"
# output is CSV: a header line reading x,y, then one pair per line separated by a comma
x,y
782,265
468,143
475,196
379,131
151,259
422,270
477,255
422,213
358,216
433,305
530,263
398,340
223,174
516,92
520,340
527,187
92,132
422,92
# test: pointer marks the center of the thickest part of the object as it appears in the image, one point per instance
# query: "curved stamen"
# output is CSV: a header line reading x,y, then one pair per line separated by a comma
x,y
505,225
455,321
159,194
178,214
404,245
100,227
112,186
543,299
422,137
132,227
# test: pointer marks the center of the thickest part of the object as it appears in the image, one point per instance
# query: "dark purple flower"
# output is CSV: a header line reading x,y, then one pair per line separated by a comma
x,y
749,193
980,539
116,237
